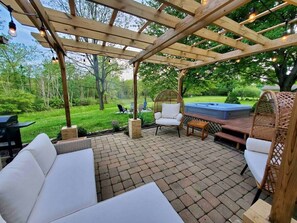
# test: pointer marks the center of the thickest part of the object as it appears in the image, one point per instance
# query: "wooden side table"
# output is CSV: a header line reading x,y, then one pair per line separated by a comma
x,y
199,125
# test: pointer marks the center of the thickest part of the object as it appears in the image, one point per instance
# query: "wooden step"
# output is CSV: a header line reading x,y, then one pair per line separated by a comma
x,y
244,130
231,138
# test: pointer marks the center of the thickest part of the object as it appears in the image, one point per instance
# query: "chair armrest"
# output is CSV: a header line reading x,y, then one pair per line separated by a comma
x,y
258,145
72,146
158,115
179,117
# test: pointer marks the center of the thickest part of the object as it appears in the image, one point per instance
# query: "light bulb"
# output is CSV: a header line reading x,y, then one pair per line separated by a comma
x,y
42,31
12,29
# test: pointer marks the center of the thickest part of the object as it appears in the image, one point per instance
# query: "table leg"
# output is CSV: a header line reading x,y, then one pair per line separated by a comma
x,y
187,129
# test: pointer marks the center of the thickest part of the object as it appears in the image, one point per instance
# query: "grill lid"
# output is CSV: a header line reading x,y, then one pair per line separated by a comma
x,y
6,119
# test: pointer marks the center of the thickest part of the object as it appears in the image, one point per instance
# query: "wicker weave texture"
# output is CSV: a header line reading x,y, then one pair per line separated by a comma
x,y
168,97
271,122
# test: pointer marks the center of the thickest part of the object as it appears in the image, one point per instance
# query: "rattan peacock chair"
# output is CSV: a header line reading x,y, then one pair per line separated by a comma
x,y
164,98
269,129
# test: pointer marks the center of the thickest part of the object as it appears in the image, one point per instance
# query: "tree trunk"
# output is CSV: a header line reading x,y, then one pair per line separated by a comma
x,y
98,87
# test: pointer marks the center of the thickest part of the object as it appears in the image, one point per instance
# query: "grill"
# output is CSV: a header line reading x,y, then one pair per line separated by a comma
x,y
10,136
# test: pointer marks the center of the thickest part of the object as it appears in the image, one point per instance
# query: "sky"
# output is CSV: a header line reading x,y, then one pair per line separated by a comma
x,y
24,36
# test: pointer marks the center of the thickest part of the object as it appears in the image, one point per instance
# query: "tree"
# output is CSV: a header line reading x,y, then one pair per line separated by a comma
x,y
98,66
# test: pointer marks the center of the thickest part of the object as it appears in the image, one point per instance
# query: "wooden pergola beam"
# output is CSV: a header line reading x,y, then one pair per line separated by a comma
x,y
189,7
111,21
137,9
45,19
73,13
204,15
292,2
116,52
258,48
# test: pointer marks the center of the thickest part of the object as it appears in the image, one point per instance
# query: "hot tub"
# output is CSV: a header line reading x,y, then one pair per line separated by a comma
x,y
218,110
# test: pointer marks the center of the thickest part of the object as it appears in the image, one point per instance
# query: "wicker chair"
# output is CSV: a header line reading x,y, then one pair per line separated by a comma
x,y
168,97
269,129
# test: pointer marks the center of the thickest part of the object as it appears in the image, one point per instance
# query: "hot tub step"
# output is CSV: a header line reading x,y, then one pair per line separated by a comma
x,y
231,138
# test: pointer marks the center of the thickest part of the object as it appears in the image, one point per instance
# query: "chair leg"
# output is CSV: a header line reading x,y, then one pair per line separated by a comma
x,y
244,168
257,196
156,130
178,131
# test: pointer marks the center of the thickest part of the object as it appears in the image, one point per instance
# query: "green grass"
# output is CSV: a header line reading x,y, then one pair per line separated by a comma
x,y
91,118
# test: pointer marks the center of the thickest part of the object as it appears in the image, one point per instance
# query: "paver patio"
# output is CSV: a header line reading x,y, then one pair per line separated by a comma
x,y
201,179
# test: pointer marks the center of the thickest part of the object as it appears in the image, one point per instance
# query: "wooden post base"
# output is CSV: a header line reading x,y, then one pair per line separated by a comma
x,y
259,213
69,132
134,128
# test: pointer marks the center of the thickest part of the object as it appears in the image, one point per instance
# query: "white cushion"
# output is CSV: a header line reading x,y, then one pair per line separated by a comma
x,y
43,151
170,110
69,186
145,204
158,115
258,145
2,220
256,163
20,184
167,121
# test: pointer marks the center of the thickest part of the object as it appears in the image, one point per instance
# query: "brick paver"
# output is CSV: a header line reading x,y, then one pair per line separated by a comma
x,y
201,179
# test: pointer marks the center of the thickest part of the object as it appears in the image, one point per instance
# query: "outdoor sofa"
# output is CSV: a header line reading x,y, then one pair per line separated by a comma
x,y
47,183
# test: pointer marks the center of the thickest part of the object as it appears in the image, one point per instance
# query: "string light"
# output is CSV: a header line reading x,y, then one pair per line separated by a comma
x,y
42,31
203,2
252,15
11,24
274,59
285,35
238,60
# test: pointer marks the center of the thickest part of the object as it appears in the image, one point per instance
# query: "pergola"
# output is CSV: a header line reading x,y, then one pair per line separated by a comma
x,y
183,57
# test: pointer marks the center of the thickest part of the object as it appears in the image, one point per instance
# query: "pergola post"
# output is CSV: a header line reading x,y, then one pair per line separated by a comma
x,y
284,199
69,131
180,81
135,123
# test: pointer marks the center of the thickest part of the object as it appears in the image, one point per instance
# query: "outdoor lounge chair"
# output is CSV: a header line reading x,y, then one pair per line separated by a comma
x,y
266,144
168,110
122,109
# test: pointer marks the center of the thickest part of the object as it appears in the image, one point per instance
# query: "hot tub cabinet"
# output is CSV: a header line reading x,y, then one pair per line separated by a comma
x,y
218,110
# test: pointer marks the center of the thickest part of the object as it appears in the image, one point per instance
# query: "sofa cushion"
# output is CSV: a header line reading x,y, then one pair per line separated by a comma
x,y
167,121
170,110
145,204
20,184
69,186
43,151
256,163
258,145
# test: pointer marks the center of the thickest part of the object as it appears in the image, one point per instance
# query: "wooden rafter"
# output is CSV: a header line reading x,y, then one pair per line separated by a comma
x,y
44,18
292,2
112,51
203,16
92,29
189,7
111,21
73,13
257,48
150,14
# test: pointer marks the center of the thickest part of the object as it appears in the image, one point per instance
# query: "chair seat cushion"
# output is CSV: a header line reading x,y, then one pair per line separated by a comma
x,y
258,145
167,121
69,186
256,163
145,204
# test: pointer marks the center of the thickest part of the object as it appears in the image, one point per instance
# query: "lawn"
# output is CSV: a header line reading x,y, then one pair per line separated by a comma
x,y
90,117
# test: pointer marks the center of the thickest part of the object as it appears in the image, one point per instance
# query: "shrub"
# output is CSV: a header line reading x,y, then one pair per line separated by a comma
x,y
83,101
16,101
56,103
232,99
115,126
251,92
